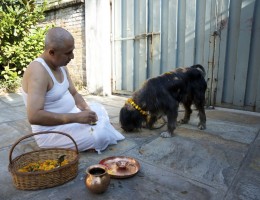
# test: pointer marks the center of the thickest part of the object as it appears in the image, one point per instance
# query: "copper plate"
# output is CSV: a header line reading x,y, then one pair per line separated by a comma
x,y
131,169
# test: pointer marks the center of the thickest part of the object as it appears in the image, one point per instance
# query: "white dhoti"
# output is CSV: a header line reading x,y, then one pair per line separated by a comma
x,y
86,136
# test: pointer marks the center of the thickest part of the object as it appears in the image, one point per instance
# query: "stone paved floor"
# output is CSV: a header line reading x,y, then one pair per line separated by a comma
x,y
221,162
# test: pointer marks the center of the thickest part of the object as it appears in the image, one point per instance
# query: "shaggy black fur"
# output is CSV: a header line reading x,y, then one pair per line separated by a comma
x,y
161,95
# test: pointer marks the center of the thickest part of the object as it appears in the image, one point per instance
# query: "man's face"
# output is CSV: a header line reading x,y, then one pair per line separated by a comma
x,y
64,55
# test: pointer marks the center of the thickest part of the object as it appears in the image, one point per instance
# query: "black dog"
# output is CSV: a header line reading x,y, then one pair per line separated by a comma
x,y
161,96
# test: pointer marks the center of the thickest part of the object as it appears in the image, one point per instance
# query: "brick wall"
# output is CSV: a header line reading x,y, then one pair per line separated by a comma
x,y
70,14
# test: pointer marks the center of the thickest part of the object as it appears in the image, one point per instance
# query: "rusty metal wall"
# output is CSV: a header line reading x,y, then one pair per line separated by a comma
x,y
150,37
238,60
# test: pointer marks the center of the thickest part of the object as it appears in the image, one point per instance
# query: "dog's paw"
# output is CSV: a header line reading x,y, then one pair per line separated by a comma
x,y
202,126
183,121
166,135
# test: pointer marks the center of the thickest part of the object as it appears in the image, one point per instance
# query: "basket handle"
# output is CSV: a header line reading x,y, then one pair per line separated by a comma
x,y
39,133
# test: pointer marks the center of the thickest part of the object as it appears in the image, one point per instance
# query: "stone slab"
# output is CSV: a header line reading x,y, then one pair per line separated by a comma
x,y
21,125
226,130
8,135
3,104
246,184
204,160
12,99
10,114
112,150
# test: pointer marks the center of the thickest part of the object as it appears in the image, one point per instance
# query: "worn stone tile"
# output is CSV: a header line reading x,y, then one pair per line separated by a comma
x,y
111,104
9,114
21,125
235,116
90,98
116,101
236,132
112,111
118,104
115,121
112,150
21,109
246,184
8,135
207,161
3,104
12,99
226,130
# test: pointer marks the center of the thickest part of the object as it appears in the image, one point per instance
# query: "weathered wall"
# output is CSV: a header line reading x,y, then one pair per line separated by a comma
x,y
69,14
98,47
156,36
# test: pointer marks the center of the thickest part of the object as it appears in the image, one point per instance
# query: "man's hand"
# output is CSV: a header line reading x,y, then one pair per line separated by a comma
x,y
87,117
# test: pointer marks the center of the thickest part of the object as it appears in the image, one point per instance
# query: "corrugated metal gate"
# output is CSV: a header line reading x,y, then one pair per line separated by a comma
x,y
150,37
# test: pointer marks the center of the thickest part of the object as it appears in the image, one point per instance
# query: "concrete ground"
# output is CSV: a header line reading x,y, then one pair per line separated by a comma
x,y
221,162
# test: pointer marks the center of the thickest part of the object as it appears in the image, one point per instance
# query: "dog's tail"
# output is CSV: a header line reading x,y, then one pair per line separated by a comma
x,y
200,68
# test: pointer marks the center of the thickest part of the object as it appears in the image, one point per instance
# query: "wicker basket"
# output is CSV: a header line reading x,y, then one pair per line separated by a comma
x,y
45,179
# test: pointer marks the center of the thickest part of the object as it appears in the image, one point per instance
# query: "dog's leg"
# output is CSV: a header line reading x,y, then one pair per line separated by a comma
x,y
202,116
171,125
188,111
151,121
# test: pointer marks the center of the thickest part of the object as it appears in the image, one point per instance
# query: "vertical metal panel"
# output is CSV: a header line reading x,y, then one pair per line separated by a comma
x,y
200,31
223,30
247,8
231,54
168,35
181,24
216,50
155,36
211,51
164,36
172,34
140,46
190,32
154,46
127,45
253,80
208,21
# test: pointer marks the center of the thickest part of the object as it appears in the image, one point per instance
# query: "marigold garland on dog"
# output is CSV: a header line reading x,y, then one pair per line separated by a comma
x,y
131,101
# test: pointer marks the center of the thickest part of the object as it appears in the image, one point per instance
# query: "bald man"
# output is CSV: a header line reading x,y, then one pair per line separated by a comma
x,y
53,103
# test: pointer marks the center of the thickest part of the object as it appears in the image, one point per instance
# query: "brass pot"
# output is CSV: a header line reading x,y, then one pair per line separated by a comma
x,y
97,179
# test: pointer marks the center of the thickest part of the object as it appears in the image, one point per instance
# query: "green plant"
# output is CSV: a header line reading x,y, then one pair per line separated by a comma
x,y
11,79
21,40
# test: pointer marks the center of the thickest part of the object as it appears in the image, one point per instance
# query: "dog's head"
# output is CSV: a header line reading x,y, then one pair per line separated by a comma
x,y
200,69
130,118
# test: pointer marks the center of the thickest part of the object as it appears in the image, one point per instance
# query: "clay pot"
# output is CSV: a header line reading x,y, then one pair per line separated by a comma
x,y
97,179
